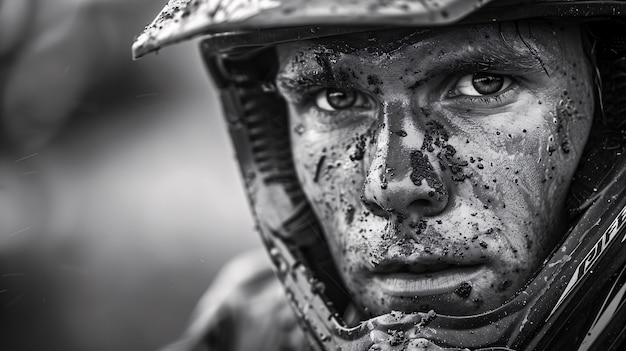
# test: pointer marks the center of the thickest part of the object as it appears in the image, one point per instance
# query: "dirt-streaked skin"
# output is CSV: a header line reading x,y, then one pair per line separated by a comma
x,y
416,173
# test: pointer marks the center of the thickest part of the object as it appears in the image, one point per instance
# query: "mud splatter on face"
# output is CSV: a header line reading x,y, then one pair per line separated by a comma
x,y
349,214
418,226
437,137
464,290
424,178
401,133
318,168
565,112
359,148
373,79
423,170
299,129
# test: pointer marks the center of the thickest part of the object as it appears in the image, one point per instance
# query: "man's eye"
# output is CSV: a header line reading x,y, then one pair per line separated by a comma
x,y
340,99
481,84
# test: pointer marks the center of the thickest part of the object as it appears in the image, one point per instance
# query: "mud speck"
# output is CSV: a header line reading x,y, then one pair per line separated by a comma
x,y
564,112
464,290
419,226
359,149
436,136
318,169
397,337
423,170
426,319
373,79
401,133
349,214
299,129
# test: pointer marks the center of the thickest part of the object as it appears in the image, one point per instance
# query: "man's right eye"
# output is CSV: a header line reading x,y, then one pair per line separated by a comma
x,y
333,99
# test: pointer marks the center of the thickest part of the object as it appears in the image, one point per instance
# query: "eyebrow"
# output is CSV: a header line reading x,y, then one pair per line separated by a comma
x,y
308,79
495,57
501,58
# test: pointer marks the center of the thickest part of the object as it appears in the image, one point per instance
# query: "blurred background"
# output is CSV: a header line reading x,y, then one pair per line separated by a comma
x,y
120,197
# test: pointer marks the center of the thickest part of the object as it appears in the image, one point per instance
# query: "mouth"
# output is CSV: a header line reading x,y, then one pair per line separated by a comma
x,y
405,280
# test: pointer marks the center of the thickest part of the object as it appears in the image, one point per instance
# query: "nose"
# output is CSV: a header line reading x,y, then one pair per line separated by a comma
x,y
402,178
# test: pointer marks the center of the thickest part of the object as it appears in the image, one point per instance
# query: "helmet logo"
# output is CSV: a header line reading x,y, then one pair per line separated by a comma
x,y
593,255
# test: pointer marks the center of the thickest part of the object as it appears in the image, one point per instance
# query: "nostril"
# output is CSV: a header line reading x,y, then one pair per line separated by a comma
x,y
427,207
418,205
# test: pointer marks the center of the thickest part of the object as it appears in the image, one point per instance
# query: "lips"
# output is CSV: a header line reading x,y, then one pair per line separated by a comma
x,y
407,280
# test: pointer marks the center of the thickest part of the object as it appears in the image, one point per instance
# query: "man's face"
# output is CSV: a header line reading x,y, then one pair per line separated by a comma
x,y
438,161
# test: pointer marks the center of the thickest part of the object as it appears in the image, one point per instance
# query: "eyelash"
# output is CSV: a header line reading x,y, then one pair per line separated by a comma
x,y
361,100
335,118
485,100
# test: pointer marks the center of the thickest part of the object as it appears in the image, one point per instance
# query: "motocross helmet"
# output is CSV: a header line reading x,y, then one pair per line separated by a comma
x,y
576,301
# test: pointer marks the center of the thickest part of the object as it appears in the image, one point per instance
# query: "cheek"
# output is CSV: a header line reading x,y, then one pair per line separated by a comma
x,y
570,119
330,169
572,102
519,172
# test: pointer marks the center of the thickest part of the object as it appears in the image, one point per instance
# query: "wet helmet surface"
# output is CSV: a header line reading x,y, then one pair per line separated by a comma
x,y
575,301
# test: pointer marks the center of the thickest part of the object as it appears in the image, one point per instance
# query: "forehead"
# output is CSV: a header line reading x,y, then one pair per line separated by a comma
x,y
524,42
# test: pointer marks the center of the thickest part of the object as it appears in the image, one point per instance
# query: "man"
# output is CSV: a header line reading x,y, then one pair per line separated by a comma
x,y
420,172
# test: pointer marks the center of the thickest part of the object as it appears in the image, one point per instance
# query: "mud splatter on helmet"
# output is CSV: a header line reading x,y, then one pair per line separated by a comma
x,y
575,302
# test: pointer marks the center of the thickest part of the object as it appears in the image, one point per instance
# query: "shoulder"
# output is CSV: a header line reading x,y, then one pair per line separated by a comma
x,y
245,309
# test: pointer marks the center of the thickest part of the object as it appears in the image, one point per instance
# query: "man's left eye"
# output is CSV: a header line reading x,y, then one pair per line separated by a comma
x,y
333,99
482,84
